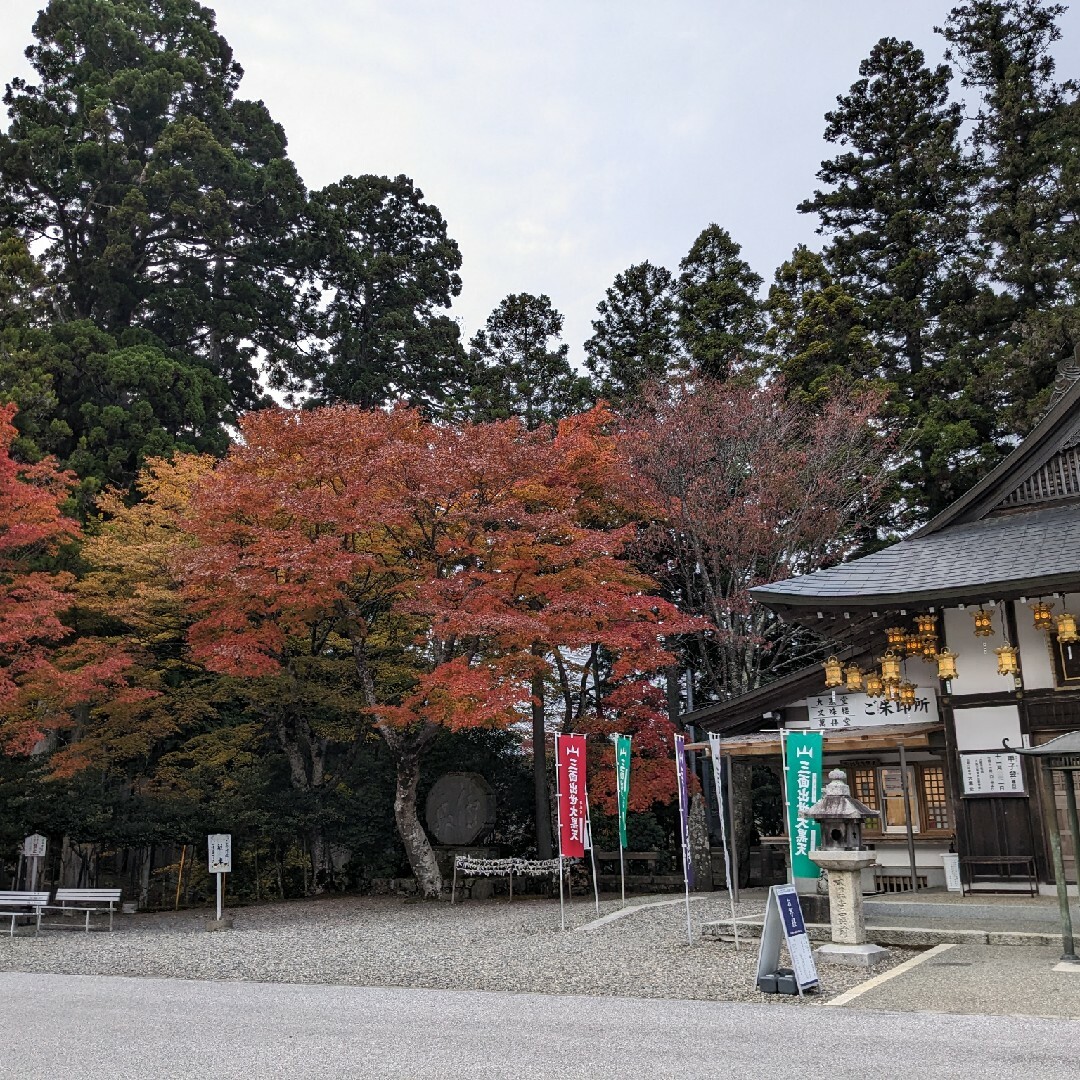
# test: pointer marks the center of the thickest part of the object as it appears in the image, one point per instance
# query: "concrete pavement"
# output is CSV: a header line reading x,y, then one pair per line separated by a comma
x,y
107,1028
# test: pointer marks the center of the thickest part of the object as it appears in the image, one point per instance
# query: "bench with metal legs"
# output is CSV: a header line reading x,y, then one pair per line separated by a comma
x,y
24,904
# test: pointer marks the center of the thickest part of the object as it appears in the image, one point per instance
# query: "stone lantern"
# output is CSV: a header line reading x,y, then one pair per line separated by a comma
x,y
842,854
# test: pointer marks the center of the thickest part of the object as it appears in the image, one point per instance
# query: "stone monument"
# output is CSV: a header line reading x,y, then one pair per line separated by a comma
x,y
460,807
842,854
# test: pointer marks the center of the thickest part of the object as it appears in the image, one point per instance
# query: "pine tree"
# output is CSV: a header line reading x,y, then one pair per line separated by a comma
x,y
520,368
164,204
719,312
894,206
635,337
1025,146
384,256
816,336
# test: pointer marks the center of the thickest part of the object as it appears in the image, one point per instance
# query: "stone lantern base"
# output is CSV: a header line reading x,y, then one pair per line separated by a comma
x,y
849,946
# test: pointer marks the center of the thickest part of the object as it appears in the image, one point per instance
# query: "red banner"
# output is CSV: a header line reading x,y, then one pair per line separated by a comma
x,y
570,761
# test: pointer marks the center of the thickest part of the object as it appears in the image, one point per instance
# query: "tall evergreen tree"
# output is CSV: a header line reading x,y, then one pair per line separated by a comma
x,y
816,335
390,269
894,206
1025,154
635,337
162,203
719,313
520,366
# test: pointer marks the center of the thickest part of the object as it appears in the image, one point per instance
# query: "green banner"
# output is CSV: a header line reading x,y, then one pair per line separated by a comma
x,y
622,781
803,772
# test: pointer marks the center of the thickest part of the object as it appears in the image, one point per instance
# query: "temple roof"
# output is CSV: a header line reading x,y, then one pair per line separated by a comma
x,y
1015,533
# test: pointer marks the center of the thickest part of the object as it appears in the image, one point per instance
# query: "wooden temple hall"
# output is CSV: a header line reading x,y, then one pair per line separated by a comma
x,y
952,649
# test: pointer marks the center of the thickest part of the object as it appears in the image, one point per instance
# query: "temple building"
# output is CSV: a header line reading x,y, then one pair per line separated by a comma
x,y
950,649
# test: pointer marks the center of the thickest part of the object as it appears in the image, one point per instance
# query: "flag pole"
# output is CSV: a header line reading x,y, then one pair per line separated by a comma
x,y
718,783
558,828
680,775
592,853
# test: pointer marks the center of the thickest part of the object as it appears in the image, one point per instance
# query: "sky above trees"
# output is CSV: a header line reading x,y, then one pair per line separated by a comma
x,y
564,142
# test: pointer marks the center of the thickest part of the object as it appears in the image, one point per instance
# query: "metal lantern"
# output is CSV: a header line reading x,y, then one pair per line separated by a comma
x,y
907,693
1066,627
984,626
913,644
874,685
890,669
1007,663
1041,616
946,664
895,636
834,672
927,624
853,678
892,692
929,647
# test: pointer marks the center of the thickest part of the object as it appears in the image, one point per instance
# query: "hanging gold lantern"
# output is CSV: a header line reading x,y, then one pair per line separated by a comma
x,y
834,672
927,624
928,647
1007,664
890,669
912,644
907,694
946,664
984,626
1041,616
1066,627
892,692
853,678
895,636
874,685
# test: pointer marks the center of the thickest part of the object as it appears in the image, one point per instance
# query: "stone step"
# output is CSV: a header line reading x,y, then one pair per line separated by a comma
x,y
915,937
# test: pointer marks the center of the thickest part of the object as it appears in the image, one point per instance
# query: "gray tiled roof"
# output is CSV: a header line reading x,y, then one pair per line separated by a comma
x,y
1037,550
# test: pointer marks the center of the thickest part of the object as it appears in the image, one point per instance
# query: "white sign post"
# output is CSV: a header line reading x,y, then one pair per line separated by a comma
x,y
220,848
784,923
34,847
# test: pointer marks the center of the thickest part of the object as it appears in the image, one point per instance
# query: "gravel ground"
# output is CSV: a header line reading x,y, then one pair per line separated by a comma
x,y
387,941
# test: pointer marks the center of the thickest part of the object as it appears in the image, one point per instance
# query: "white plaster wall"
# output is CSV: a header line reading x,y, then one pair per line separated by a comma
x,y
976,670
984,728
1034,650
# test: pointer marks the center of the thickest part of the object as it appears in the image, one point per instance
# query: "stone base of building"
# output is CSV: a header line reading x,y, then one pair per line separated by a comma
x,y
857,956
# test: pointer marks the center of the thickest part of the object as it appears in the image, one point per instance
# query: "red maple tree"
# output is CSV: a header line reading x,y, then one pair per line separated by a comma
x,y
44,669
443,560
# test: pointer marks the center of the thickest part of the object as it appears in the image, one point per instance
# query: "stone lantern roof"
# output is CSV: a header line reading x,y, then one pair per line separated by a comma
x,y
837,802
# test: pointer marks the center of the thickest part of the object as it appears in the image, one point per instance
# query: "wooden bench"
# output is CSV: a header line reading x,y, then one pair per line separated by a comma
x,y
997,869
27,904
652,858
87,902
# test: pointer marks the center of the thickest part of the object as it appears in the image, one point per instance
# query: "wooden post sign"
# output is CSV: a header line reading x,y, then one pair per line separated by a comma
x,y
220,848
784,923
34,848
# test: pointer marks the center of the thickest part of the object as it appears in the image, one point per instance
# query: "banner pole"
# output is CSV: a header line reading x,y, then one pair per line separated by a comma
x,y
622,873
558,827
680,774
787,809
715,756
592,853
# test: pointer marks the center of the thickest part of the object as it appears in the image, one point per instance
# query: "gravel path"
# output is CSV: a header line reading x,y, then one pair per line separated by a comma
x,y
382,941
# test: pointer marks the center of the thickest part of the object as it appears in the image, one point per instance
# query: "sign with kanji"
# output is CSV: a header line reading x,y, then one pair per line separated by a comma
x,y
802,768
684,808
784,925
570,761
830,711
220,845
993,773
34,846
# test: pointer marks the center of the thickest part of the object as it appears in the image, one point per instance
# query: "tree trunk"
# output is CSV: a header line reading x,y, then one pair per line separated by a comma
x,y
407,747
700,850
742,814
540,783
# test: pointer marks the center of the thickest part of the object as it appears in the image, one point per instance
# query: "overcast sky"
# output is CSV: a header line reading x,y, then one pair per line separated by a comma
x,y
565,140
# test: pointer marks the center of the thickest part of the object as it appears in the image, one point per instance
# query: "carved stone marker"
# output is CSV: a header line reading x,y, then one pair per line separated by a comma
x,y
460,807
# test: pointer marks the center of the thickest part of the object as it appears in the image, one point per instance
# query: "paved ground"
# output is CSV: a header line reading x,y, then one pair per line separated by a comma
x,y
985,979
97,1028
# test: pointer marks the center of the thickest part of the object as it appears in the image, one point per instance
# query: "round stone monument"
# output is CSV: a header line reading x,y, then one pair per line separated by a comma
x,y
460,807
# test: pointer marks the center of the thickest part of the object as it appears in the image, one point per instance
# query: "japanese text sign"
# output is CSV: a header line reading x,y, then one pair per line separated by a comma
x,y
220,845
570,761
684,808
802,769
